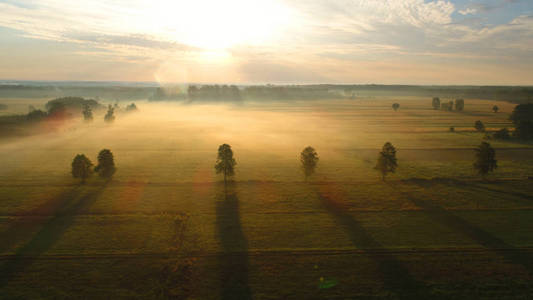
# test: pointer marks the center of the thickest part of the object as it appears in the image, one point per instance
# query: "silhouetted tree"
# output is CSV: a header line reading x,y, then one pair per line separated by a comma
x,y
445,106
309,159
57,110
131,107
395,106
522,118
495,108
450,105
480,127
106,164
459,104
36,115
110,115
436,103
387,162
81,167
87,113
485,161
502,134
225,162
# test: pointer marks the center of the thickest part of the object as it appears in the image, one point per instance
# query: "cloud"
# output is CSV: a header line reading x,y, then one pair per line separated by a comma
x,y
324,40
468,11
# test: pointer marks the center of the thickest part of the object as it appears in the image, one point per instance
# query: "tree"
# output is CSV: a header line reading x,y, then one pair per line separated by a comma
x,y
87,113
502,134
522,118
309,159
450,105
459,104
225,162
436,103
81,167
106,164
485,161
495,108
131,107
36,115
480,127
387,162
395,106
445,106
110,115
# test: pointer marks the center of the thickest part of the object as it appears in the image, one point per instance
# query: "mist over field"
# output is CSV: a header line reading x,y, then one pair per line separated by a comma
x,y
276,149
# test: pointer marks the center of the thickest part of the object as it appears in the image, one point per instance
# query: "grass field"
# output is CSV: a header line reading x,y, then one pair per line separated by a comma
x,y
165,227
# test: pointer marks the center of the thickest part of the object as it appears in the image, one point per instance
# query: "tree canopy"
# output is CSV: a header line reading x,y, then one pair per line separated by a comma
x,y
485,159
81,167
106,164
459,104
110,115
87,113
309,159
522,118
387,162
225,163
395,106
479,126
436,103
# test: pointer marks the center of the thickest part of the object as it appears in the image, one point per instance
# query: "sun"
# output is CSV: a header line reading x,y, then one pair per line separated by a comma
x,y
216,25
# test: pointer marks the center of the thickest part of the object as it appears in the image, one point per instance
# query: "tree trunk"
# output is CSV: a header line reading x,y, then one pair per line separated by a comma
x,y
225,178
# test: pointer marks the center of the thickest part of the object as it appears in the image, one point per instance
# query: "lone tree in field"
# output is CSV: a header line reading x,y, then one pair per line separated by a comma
x,y
522,118
309,159
495,108
485,161
110,115
480,127
87,113
81,167
459,104
395,106
387,162
106,164
225,162
436,103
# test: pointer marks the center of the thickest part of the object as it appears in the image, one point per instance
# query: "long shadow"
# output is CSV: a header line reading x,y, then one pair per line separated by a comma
x,y
427,183
482,237
394,275
52,230
233,261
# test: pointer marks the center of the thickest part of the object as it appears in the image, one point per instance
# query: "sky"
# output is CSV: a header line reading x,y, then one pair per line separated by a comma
x,y
455,42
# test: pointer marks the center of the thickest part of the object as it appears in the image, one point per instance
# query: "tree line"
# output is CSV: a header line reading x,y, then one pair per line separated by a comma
x,y
386,163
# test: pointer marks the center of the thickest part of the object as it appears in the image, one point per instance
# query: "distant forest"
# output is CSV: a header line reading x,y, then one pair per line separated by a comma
x,y
132,91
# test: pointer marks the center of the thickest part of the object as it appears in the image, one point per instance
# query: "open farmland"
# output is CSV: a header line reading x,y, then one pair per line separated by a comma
x,y
165,226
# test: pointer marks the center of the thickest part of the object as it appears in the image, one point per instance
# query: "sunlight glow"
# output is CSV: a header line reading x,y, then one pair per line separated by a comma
x,y
216,25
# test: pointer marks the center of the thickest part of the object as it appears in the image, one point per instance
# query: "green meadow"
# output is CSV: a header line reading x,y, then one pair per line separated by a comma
x,y
166,227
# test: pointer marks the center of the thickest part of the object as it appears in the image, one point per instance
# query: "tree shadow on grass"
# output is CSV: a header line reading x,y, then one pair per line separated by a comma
x,y
233,261
482,237
68,205
395,276
477,185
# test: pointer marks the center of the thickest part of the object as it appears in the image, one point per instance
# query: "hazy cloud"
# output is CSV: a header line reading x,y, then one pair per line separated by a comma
x,y
323,40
